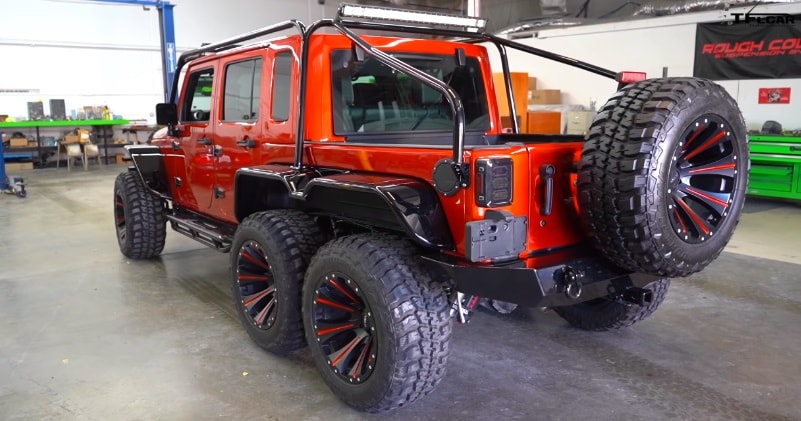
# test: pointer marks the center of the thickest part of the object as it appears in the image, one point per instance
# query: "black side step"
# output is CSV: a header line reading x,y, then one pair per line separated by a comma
x,y
202,231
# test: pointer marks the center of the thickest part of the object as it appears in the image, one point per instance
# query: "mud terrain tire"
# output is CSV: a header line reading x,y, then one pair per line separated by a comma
x,y
663,175
139,218
377,324
269,256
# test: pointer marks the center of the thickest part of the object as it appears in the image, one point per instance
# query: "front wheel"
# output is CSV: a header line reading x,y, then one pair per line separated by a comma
x,y
603,314
377,324
139,217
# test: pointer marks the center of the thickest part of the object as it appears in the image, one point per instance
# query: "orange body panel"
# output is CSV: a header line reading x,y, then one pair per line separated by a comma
x,y
275,143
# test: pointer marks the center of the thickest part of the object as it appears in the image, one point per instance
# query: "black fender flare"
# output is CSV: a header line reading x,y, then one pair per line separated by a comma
x,y
264,187
149,163
397,203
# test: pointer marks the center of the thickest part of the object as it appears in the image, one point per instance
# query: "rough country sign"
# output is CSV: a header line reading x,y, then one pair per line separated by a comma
x,y
751,46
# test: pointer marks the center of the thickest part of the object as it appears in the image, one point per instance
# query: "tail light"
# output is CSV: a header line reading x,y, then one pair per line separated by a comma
x,y
494,182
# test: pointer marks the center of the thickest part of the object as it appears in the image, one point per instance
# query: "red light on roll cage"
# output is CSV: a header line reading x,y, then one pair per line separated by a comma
x,y
631,77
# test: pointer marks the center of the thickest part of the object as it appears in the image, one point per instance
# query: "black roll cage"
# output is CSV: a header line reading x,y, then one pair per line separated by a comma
x,y
345,26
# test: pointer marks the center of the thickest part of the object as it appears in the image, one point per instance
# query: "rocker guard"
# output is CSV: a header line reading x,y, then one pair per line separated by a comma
x,y
540,287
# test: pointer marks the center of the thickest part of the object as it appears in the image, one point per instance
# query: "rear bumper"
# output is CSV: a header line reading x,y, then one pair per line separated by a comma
x,y
572,281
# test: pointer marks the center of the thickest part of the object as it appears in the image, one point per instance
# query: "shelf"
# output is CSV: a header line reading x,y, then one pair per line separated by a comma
x,y
60,123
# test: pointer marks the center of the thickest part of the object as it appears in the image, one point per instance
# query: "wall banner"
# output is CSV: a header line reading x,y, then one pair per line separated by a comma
x,y
749,47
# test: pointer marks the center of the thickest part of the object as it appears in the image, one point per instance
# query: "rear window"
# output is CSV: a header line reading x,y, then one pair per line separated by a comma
x,y
369,96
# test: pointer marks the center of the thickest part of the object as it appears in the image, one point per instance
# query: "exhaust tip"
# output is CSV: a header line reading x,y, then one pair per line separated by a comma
x,y
571,280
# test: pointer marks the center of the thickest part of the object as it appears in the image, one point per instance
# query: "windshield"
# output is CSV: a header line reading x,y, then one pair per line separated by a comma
x,y
368,96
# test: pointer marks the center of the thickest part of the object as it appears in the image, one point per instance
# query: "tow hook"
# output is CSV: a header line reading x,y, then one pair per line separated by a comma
x,y
571,282
639,296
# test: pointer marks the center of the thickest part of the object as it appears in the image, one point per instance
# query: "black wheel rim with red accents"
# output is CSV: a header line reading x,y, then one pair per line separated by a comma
x,y
703,179
344,328
256,284
119,218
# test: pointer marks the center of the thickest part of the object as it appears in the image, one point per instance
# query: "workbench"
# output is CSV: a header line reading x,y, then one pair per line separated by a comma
x,y
103,131
775,166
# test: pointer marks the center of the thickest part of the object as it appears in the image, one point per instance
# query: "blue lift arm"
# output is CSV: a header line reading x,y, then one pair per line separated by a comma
x,y
167,36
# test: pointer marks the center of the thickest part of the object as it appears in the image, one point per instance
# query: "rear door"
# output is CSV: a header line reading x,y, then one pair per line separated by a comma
x,y
238,136
196,143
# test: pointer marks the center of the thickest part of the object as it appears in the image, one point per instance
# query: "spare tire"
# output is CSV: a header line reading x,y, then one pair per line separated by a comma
x,y
663,175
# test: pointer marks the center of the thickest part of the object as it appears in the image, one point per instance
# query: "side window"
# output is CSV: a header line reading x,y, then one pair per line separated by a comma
x,y
282,86
197,102
242,90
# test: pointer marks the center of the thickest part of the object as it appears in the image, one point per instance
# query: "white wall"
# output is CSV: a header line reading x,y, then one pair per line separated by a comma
x,y
107,54
644,45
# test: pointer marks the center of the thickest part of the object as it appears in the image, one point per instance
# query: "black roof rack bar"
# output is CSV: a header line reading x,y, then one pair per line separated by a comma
x,y
457,108
545,54
230,43
510,98
470,37
302,90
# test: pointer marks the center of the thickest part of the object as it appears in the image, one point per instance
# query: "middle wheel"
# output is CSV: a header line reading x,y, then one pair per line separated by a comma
x,y
377,325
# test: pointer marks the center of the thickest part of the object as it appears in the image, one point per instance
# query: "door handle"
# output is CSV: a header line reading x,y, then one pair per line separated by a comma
x,y
547,172
204,141
246,143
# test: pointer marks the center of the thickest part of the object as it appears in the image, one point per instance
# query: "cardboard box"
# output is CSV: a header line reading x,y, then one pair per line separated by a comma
x,y
71,138
545,96
506,124
18,142
18,166
532,83
578,122
520,83
119,158
83,135
544,122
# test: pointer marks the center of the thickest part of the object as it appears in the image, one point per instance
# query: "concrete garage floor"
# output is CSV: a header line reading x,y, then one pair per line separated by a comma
x,y
89,335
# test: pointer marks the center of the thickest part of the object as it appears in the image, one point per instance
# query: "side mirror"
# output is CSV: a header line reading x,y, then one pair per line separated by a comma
x,y
166,114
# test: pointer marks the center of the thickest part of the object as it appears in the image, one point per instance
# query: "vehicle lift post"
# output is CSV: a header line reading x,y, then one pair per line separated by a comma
x,y
3,181
167,36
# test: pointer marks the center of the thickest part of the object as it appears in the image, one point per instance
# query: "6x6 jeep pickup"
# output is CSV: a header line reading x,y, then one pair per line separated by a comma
x,y
368,195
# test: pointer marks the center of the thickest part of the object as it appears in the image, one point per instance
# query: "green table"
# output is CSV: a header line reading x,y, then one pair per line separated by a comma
x,y
775,166
103,130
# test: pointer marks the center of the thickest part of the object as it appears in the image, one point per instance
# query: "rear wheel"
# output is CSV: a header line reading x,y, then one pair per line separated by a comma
x,y
663,175
139,218
377,325
604,314
269,255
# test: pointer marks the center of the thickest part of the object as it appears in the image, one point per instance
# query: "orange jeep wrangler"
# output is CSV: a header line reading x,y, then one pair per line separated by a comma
x,y
369,196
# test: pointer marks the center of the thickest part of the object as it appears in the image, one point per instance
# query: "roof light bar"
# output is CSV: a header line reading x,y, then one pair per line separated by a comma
x,y
472,24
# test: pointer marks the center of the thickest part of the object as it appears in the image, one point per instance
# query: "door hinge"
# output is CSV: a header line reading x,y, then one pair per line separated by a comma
x,y
219,193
